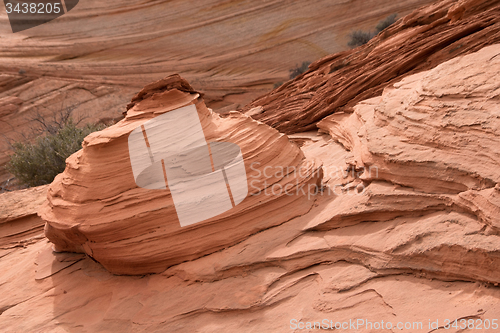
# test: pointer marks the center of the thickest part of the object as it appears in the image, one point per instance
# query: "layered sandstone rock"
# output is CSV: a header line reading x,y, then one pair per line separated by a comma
x,y
96,207
417,42
421,250
403,230
99,54
435,132
433,140
19,222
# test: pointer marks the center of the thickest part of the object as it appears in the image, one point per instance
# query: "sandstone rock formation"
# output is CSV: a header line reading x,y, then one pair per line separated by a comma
x,y
417,42
138,230
404,230
417,138
101,53
19,222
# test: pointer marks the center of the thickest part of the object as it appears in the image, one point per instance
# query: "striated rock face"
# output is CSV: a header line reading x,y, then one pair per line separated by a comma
x,y
19,222
436,131
404,229
417,42
122,214
101,53
433,140
402,225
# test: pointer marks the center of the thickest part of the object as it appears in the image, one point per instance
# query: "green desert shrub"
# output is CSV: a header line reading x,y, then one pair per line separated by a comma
x,y
360,37
299,70
277,84
386,23
37,163
295,72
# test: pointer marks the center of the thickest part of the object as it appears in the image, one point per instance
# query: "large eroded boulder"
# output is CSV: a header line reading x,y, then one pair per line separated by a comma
x,y
114,204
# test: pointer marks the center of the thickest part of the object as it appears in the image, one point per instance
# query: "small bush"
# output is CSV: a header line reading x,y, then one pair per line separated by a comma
x,y
277,84
359,37
387,22
299,70
38,163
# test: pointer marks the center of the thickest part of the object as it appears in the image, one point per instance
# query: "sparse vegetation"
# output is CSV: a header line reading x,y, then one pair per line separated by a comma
x,y
299,70
386,23
295,72
38,162
359,37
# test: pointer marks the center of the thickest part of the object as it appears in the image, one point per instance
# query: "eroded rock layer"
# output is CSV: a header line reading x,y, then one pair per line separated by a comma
x,y
99,54
417,42
19,222
402,231
436,131
428,152
96,207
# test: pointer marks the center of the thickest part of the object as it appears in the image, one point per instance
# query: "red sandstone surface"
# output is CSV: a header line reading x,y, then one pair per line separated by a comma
x,y
417,42
402,227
